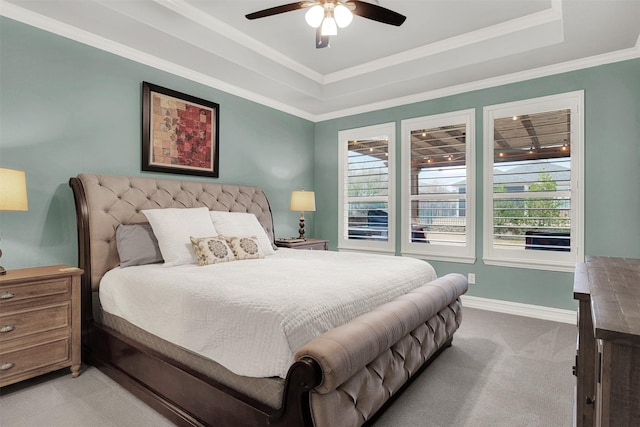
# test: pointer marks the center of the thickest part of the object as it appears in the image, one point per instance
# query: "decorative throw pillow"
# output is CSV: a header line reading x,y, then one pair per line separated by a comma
x,y
245,247
137,245
212,250
242,224
174,226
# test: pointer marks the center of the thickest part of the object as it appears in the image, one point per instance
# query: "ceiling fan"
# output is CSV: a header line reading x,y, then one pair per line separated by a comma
x,y
327,15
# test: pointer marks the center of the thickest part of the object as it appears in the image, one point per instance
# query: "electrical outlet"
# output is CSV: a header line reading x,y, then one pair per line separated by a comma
x,y
471,278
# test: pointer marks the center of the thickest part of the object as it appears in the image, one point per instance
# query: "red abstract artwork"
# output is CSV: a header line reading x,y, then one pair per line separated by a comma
x,y
182,134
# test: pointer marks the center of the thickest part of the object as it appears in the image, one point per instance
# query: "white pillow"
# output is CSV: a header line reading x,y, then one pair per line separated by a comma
x,y
173,227
242,225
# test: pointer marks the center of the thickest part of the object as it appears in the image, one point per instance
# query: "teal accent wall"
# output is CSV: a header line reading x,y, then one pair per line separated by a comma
x,y
67,108
612,174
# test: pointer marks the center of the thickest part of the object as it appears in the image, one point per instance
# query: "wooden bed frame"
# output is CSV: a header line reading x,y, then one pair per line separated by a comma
x,y
180,393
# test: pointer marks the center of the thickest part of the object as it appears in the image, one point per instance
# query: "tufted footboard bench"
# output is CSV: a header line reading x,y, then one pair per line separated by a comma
x,y
368,360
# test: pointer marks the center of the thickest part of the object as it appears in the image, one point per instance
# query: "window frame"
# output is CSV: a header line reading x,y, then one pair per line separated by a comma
x,y
532,259
367,132
439,252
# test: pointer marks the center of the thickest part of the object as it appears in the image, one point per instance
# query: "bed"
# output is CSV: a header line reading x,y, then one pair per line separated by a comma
x,y
345,375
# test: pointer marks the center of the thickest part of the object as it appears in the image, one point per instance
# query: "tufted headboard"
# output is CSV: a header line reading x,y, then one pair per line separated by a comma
x,y
105,201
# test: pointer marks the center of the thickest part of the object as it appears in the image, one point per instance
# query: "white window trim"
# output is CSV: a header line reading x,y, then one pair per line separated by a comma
x,y
437,252
389,246
546,260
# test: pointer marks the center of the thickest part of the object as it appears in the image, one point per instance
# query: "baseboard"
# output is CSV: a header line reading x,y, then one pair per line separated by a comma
x,y
519,309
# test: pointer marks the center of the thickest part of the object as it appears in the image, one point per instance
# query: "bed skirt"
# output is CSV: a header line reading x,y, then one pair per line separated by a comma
x,y
264,390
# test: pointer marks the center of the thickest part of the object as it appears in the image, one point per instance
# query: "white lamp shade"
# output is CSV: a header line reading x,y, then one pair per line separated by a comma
x,y
342,15
303,201
13,190
314,16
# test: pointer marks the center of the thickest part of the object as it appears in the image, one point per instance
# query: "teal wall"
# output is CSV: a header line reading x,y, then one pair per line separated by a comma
x,y
612,174
67,108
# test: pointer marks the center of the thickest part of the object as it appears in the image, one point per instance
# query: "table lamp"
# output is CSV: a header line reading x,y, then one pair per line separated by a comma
x,y
302,201
13,194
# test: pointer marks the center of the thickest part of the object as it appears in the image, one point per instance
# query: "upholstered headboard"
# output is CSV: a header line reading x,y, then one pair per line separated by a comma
x,y
105,201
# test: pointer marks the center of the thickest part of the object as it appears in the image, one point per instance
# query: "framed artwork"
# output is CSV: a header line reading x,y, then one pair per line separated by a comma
x,y
179,132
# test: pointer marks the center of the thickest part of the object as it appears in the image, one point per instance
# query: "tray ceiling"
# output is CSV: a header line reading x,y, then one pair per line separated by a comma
x,y
444,47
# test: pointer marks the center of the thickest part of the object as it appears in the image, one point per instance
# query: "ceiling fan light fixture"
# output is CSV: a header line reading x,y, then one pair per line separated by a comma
x,y
342,15
329,27
314,16
327,15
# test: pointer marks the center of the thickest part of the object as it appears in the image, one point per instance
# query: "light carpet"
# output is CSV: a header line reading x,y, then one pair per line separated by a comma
x,y
502,371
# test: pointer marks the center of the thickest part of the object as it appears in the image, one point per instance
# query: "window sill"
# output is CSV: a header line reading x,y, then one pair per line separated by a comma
x,y
447,258
367,250
532,264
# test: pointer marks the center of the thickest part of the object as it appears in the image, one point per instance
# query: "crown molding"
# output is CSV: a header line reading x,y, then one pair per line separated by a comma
x,y
56,27
73,33
226,30
564,67
504,29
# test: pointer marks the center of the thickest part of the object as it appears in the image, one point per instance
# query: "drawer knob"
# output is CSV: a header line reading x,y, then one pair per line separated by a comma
x,y
7,295
7,328
6,366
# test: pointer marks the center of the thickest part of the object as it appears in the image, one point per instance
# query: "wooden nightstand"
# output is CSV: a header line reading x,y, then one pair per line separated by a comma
x,y
39,322
309,244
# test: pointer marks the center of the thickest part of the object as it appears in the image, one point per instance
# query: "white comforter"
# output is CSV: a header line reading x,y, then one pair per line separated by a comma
x,y
252,315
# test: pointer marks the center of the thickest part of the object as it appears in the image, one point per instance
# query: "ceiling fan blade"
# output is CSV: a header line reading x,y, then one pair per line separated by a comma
x,y
321,41
279,9
377,13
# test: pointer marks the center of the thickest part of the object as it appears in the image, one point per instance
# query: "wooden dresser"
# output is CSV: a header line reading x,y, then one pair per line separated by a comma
x,y
39,322
608,359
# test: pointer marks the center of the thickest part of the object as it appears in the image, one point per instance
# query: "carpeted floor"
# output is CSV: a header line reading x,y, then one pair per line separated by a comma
x,y
502,370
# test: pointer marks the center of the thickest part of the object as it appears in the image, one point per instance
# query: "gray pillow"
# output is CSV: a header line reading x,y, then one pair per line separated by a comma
x,y
137,245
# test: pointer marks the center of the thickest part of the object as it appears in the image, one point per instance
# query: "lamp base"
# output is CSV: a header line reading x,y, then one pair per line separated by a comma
x,y
2,271
301,228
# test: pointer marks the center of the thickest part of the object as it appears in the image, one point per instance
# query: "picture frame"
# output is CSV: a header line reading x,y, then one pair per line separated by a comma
x,y
180,133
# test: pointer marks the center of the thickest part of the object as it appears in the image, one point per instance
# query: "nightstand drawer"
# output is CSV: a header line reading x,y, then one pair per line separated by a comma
x,y
23,361
18,293
313,245
39,322
30,321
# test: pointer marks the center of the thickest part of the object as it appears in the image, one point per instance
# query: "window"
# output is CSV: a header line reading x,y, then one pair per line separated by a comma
x,y
366,188
438,203
533,204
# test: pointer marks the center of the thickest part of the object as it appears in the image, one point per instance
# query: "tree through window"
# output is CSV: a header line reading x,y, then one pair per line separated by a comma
x,y
532,168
